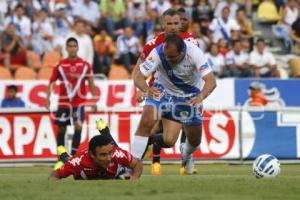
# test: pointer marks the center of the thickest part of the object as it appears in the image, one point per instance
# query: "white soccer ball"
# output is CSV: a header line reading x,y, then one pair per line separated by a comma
x,y
266,166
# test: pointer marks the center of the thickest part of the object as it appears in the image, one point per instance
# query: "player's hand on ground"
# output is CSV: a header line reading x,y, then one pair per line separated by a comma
x,y
154,93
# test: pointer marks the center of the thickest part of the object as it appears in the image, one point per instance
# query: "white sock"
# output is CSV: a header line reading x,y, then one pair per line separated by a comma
x,y
138,146
188,150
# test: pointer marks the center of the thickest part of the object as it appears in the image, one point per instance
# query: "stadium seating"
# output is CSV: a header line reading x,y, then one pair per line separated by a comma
x,y
34,58
5,74
45,73
51,58
118,72
267,12
25,73
294,65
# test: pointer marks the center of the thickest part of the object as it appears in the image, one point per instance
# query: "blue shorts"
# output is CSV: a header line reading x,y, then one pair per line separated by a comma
x,y
177,109
64,116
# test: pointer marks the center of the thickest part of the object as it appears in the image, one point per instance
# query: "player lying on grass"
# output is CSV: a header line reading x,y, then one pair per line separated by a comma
x,y
103,160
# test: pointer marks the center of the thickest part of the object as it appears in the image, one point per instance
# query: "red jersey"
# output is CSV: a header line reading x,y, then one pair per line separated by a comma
x,y
82,166
158,40
72,75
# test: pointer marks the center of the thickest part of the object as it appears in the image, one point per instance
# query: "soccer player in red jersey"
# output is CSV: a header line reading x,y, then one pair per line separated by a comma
x,y
72,72
103,160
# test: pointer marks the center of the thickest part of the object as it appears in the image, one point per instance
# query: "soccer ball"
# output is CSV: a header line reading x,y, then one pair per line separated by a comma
x,y
266,166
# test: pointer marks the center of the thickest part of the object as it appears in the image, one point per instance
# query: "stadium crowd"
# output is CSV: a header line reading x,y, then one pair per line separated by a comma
x,y
111,34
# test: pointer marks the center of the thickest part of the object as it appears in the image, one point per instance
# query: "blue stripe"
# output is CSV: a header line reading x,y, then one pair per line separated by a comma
x,y
265,162
174,79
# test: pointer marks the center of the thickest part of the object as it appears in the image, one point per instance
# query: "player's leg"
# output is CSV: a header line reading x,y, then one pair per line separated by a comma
x,y
156,167
140,140
62,119
104,130
78,118
193,134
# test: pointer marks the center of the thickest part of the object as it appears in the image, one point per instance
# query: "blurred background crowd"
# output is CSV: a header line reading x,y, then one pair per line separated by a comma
x,y
241,38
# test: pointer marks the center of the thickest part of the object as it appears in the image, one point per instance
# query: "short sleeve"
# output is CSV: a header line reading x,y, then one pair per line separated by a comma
x,y
271,59
122,157
150,64
55,74
201,61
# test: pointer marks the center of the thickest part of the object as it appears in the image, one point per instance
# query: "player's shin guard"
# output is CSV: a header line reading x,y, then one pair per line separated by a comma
x,y
76,141
139,146
187,150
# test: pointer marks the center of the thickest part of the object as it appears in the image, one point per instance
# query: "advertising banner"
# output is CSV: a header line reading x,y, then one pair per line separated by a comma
x,y
110,93
276,92
32,136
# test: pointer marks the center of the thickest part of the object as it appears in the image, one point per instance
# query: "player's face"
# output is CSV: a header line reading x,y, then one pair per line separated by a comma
x,y
184,22
172,55
72,48
171,24
103,155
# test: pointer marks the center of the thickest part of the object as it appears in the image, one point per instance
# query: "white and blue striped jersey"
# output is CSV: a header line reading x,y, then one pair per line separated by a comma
x,y
182,79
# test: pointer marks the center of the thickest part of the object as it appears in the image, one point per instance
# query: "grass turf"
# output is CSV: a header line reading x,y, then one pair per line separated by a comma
x,y
215,181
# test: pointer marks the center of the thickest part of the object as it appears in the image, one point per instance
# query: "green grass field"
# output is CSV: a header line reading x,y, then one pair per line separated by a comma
x,y
215,181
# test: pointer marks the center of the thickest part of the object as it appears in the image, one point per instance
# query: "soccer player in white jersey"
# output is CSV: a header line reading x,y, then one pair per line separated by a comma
x,y
175,96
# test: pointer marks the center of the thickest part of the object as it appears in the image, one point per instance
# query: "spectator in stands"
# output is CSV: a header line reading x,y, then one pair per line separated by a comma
x,y
104,48
160,6
151,23
202,39
11,100
263,62
221,27
31,6
288,16
86,50
246,29
215,60
137,14
113,15
87,10
295,35
201,10
246,47
128,49
231,4
42,33
3,11
13,47
237,61
223,47
62,24
22,24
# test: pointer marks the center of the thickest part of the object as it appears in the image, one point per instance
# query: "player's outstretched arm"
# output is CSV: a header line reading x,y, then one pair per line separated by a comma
x,y
54,176
137,168
49,91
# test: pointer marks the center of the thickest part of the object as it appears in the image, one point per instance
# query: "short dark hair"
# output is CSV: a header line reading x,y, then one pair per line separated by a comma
x,y
71,39
98,141
19,6
12,87
260,40
170,12
176,40
181,10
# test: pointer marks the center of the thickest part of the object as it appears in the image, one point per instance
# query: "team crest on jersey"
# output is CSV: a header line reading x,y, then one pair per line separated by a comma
x,y
73,69
119,154
76,161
